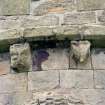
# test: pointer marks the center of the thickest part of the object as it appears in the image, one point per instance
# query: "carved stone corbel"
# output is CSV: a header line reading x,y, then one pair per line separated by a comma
x,y
21,60
80,50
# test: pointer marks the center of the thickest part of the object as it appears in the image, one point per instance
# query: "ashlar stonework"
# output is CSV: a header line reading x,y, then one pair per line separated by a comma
x,y
21,60
14,7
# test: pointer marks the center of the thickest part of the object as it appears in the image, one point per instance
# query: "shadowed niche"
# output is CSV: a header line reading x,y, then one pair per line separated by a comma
x,y
39,56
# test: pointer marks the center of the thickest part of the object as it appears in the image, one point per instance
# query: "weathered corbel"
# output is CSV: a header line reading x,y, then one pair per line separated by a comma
x,y
80,50
21,60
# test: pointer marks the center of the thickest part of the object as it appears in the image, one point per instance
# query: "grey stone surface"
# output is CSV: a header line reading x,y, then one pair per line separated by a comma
x,y
13,83
43,80
101,16
90,96
92,31
17,7
66,31
98,59
21,59
79,18
57,59
76,79
34,33
5,99
34,21
10,22
10,34
55,99
90,4
14,98
84,96
53,6
4,63
20,97
99,77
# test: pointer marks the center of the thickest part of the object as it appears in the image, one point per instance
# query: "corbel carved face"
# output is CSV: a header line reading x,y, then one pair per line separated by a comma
x,y
20,57
80,50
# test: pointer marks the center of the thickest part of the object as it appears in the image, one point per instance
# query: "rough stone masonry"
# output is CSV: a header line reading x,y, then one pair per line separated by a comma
x,y
52,52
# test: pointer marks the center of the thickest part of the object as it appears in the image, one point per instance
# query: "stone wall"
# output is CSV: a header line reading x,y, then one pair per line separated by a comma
x,y
37,65
72,19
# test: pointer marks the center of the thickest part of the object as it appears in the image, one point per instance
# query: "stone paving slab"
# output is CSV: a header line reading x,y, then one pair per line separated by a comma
x,y
43,80
10,36
76,79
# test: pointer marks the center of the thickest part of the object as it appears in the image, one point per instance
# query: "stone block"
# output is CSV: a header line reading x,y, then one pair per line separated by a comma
x,y
4,64
79,18
76,79
10,22
21,59
10,35
53,6
101,16
90,4
14,98
90,96
43,80
20,97
98,59
99,77
66,31
33,21
37,33
13,83
14,7
5,98
51,59
93,31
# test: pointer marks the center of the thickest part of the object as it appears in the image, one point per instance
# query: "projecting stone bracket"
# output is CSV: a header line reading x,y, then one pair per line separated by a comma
x,y
80,50
21,60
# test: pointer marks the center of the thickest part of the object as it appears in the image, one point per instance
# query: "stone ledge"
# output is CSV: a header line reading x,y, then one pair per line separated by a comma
x,y
94,33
